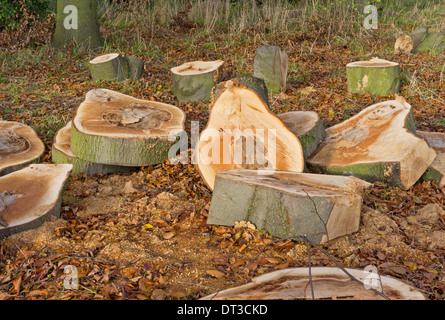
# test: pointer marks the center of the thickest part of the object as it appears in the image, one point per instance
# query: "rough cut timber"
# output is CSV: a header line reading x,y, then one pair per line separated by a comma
x,y
62,154
409,42
31,195
323,207
193,81
116,129
376,76
433,42
329,283
307,126
271,65
243,133
377,144
436,171
114,67
19,146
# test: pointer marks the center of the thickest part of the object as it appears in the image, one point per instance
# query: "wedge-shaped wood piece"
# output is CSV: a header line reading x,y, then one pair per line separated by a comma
x,y
116,129
377,144
193,81
323,207
243,133
62,154
329,283
307,126
19,146
31,195
376,76
436,170
271,65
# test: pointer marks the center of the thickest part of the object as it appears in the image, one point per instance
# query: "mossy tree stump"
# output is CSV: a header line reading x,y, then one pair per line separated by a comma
x,y
19,146
377,144
194,81
114,67
323,207
271,65
117,129
376,76
436,170
408,43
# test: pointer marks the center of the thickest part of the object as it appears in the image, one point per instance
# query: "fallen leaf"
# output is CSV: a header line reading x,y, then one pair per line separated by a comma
x,y
215,273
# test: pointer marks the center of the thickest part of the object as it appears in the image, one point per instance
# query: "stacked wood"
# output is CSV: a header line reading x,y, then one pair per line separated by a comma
x,y
323,207
115,129
329,283
115,67
239,119
19,146
376,76
271,65
377,144
420,40
436,170
30,196
62,154
194,81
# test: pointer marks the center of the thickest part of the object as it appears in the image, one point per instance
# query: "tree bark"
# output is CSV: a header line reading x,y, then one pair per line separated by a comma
x,y
436,170
271,65
114,67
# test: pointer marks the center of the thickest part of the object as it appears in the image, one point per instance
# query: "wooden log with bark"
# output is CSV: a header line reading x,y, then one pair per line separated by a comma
x,y
61,153
194,81
436,170
115,67
377,144
243,133
323,207
420,40
376,76
30,196
116,129
19,146
271,65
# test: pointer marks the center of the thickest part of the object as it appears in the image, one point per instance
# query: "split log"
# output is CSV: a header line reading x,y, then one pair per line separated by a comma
x,y
62,154
408,43
327,282
116,129
19,146
193,81
376,76
323,207
30,196
436,171
307,126
377,144
434,42
243,133
271,65
114,67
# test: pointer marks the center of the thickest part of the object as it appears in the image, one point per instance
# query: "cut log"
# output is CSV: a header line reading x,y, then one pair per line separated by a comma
x,y
328,283
77,22
376,76
243,133
19,146
116,129
433,42
377,144
62,154
409,42
114,67
193,81
307,126
436,170
271,65
30,196
323,207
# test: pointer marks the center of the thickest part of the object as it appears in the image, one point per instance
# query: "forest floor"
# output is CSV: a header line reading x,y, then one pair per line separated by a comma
x,y
152,241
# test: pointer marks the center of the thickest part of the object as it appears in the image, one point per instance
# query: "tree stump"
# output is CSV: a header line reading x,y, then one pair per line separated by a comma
x,y
62,154
308,128
377,144
77,22
194,81
323,207
19,146
376,76
436,170
243,133
114,67
409,43
271,65
116,129
31,195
